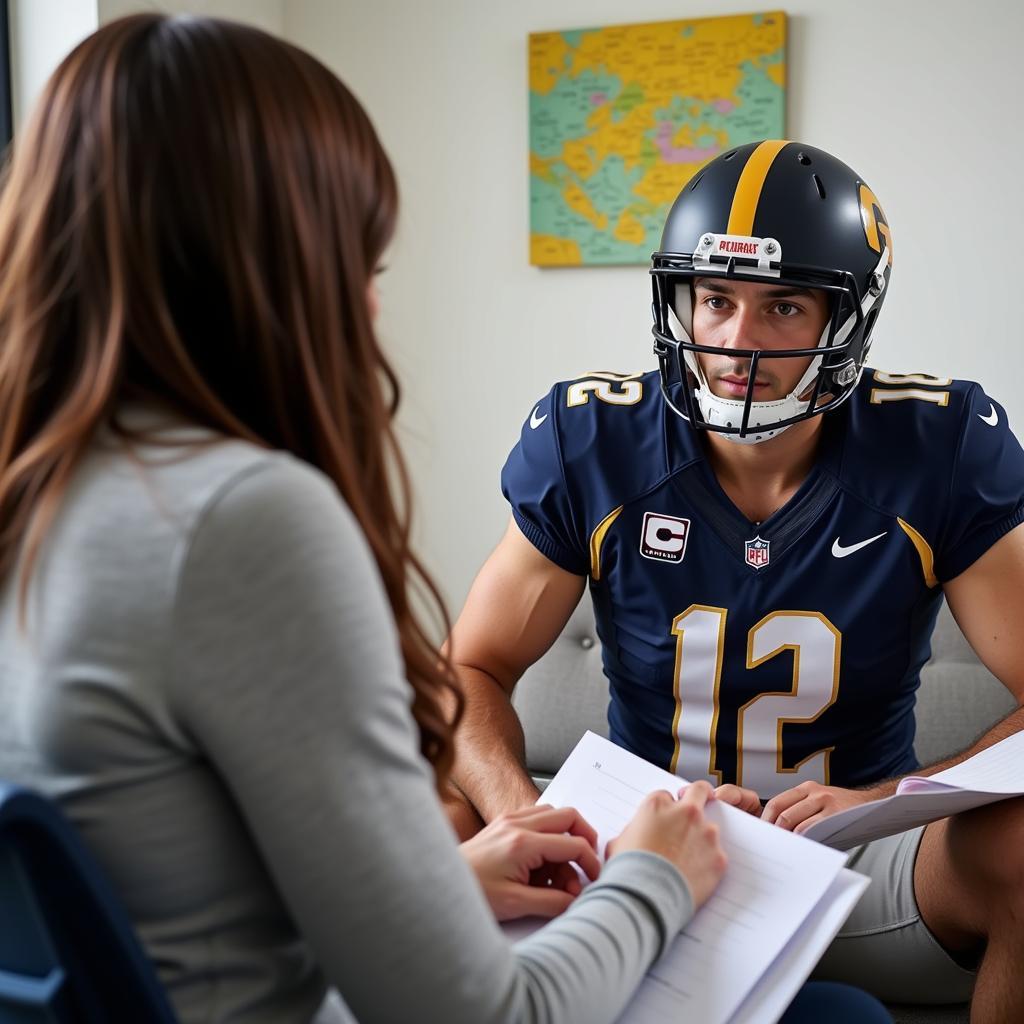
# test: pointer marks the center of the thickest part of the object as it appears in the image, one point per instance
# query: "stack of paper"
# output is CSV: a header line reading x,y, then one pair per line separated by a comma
x,y
750,947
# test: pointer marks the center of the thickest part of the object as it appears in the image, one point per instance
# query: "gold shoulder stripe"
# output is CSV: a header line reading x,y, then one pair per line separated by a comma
x,y
924,552
748,189
597,539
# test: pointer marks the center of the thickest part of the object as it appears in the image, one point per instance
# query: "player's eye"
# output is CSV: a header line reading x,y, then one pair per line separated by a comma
x,y
786,309
715,302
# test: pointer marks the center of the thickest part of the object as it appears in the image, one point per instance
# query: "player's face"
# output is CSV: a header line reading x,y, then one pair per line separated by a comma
x,y
763,317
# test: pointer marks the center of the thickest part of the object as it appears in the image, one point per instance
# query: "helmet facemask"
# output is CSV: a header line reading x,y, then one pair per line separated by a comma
x,y
836,362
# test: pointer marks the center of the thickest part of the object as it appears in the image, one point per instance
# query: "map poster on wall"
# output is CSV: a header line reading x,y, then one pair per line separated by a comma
x,y
622,117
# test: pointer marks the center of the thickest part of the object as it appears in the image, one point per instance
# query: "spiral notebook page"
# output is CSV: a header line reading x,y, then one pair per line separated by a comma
x,y
773,883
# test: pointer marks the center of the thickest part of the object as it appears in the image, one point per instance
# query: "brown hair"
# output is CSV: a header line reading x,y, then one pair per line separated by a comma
x,y
192,217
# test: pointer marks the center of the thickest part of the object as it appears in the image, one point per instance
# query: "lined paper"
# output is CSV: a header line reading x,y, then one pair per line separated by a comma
x,y
774,882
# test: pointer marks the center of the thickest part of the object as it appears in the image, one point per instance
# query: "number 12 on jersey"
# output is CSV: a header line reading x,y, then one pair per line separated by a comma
x,y
700,643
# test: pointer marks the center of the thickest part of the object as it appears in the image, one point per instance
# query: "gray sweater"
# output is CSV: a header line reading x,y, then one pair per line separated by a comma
x,y
210,683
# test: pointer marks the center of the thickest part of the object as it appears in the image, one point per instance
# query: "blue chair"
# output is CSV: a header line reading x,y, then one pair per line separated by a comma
x,y
68,954
836,1003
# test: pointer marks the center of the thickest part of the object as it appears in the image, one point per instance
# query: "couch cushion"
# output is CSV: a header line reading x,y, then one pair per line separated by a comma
x,y
563,695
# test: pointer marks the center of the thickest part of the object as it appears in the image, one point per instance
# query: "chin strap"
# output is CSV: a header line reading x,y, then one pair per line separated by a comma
x,y
728,412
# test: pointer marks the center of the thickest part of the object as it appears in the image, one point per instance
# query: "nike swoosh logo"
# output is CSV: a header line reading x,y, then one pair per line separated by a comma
x,y
840,552
992,418
535,420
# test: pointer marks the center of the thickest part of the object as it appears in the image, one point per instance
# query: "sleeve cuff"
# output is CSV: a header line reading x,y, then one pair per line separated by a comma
x,y
655,881
562,557
976,545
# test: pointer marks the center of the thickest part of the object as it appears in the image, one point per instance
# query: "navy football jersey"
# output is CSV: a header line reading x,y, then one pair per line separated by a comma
x,y
770,654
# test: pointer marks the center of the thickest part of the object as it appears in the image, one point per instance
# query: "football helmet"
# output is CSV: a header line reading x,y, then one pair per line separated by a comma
x,y
782,213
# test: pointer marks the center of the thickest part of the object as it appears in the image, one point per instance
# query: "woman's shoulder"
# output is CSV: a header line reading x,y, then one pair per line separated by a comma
x,y
175,475
142,505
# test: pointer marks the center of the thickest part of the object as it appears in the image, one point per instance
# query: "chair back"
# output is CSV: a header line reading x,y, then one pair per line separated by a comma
x,y
68,954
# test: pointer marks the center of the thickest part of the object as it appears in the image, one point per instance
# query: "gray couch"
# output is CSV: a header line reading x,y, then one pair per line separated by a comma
x,y
565,693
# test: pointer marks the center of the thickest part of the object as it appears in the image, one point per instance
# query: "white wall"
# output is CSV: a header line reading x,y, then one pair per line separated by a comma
x,y
921,97
265,14
43,33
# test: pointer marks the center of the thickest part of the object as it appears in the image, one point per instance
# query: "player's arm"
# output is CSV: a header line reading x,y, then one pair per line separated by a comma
x,y
517,606
986,601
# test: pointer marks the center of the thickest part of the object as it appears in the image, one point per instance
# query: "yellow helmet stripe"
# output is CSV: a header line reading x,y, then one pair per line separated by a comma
x,y
748,189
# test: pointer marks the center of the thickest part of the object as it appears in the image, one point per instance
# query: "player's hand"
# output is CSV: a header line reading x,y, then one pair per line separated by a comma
x,y
805,805
524,860
736,796
678,830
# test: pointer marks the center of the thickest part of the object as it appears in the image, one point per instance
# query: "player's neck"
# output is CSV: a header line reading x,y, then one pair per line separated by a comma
x,y
760,478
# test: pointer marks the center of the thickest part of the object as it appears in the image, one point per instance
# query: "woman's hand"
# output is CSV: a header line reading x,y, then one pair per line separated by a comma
x,y
524,860
678,830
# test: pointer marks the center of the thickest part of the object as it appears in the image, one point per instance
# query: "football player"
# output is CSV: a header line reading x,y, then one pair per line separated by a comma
x,y
768,528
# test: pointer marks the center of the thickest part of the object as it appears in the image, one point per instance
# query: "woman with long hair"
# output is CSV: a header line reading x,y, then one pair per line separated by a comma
x,y
213,646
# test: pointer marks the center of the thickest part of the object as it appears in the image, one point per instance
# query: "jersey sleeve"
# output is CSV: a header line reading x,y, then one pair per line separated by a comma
x,y
986,498
534,483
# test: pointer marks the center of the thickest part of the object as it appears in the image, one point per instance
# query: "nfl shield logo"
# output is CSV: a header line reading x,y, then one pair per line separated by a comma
x,y
757,553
